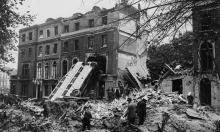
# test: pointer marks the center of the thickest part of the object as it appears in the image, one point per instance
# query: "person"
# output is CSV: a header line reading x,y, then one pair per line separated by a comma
x,y
45,112
131,112
190,98
141,111
86,118
117,93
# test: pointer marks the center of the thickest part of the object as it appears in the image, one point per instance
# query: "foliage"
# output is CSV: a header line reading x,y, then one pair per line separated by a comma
x,y
177,52
10,19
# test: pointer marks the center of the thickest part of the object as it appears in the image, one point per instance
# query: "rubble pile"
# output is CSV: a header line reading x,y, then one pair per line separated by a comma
x,y
165,112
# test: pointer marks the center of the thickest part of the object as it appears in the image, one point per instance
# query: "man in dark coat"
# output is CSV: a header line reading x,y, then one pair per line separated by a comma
x,y
141,111
131,112
86,118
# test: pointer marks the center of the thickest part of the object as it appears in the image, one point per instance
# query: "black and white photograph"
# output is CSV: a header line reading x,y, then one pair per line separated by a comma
x,y
109,66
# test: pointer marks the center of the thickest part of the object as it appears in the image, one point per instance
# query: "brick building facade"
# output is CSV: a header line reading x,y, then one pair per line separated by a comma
x,y
48,50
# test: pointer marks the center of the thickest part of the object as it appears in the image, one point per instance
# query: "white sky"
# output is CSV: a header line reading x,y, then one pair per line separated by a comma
x,y
44,9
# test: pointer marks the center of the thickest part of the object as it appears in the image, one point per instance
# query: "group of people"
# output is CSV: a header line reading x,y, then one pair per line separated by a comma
x,y
136,110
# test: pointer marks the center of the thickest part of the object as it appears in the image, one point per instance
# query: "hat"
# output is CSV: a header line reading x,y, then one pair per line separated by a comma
x,y
189,94
145,98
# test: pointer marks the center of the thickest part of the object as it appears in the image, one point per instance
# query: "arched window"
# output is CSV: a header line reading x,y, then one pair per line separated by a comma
x,y
54,70
39,70
206,56
64,67
74,61
46,71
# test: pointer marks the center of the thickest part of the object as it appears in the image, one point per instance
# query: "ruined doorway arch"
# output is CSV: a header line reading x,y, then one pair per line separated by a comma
x,y
101,61
205,92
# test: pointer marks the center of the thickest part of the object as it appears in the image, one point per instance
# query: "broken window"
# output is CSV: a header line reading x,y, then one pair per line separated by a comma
x,y
40,50
54,70
75,60
41,34
66,28
104,20
55,48
90,42
65,46
56,30
25,70
91,22
46,71
29,52
76,44
30,36
104,40
77,26
48,33
206,56
64,67
207,19
24,89
47,50
39,70
23,37
22,53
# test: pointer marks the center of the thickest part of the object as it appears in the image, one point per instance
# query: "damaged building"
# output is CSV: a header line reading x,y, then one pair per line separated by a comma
x,y
48,51
203,81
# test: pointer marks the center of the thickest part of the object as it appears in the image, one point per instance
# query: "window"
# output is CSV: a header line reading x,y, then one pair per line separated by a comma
x,y
54,70
23,37
40,50
56,30
91,22
207,20
46,90
55,48
104,40
22,53
90,42
30,36
75,60
39,70
66,28
206,56
47,50
24,89
46,71
25,70
64,67
77,26
65,46
41,34
104,20
29,52
48,33
76,44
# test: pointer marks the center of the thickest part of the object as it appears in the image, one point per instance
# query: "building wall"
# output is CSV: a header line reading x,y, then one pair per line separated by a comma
x,y
41,39
211,35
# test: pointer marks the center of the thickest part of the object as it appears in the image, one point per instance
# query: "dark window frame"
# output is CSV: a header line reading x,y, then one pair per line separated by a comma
x,y
30,35
91,23
47,50
104,20
77,26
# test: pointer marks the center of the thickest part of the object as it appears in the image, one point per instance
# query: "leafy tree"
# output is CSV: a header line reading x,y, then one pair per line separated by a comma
x,y
10,19
177,52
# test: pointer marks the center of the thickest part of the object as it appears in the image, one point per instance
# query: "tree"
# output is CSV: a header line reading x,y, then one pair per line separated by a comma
x,y
177,52
10,19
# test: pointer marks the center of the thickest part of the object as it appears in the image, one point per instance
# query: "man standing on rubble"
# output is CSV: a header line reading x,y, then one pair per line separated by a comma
x,y
131,112
141,111
86,118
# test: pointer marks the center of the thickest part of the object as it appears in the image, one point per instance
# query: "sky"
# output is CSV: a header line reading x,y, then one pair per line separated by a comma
x,y
44,9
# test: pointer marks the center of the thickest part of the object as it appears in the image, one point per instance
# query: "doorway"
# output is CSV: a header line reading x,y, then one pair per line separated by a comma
x,y
177,86
101,61
205,92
